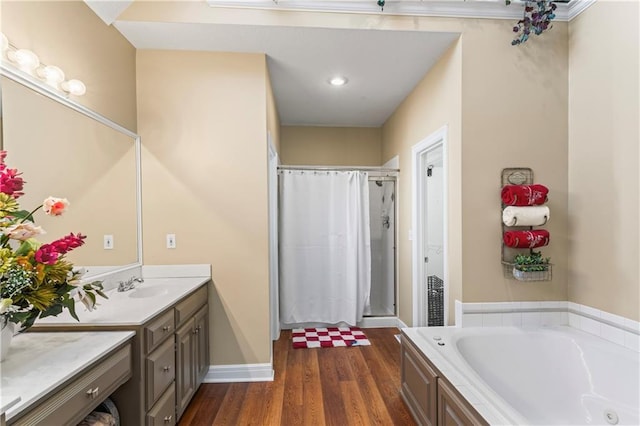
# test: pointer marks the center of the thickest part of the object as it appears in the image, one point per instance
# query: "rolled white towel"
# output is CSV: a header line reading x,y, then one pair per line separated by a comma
x,y
525,216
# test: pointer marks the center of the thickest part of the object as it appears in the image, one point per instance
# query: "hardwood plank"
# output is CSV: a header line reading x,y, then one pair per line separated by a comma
x,y
369,391
332,365
205,405
231,405
293,397
354,404
338,386
313,404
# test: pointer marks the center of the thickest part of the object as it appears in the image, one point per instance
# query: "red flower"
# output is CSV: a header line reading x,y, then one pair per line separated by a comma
x,y
68,243
47,254
10,182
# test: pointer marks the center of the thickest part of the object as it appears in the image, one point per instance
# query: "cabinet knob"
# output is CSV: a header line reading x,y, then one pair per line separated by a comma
x,y
166,328
167,419
166,368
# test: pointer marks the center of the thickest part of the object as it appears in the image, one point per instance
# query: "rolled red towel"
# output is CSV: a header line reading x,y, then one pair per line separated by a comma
x,y
526,239
524,195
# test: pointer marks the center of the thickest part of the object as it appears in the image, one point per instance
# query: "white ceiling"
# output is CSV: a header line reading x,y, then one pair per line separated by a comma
x,y
383,67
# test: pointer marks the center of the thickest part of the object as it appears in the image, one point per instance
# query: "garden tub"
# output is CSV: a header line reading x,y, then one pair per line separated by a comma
x,y
547,375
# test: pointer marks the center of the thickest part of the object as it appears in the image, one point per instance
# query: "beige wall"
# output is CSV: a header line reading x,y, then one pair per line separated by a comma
x,y
603,158
481,101
434,103
70,35
514,114
203,121
331,146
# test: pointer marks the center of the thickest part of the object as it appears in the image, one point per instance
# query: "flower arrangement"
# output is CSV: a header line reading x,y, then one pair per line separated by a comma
x,y
536,19
36,280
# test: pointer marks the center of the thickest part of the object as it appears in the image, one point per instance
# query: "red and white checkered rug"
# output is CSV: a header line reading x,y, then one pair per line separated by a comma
x,y
329,337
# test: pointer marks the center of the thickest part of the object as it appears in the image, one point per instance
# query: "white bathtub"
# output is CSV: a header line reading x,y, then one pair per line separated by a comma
x,y
546,376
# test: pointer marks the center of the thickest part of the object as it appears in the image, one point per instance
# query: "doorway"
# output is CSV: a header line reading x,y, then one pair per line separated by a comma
x,y
430,289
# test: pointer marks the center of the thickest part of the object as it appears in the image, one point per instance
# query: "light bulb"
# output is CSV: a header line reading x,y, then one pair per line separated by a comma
x,y
74,87
338,81
52,75
25,59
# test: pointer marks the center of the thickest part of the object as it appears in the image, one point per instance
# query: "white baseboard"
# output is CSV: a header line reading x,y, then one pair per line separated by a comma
x,y
239,373
377,322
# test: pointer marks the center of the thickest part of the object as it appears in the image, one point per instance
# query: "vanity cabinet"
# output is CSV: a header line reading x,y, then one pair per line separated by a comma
x,y
192,350
68,401
170,357
431,399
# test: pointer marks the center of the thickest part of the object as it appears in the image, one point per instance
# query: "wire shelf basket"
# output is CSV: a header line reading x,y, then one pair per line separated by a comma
x,y
510,271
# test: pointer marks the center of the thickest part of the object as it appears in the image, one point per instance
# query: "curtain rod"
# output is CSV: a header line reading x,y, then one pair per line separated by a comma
x,y
339,168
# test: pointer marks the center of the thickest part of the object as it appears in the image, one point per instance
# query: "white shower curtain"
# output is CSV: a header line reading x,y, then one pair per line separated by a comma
x,y
325,253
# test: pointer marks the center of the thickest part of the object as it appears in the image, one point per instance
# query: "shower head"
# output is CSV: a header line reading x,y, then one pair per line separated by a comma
x,y
379,182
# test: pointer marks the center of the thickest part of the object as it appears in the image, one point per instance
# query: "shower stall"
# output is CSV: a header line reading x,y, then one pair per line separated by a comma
x,y
382,223
337,233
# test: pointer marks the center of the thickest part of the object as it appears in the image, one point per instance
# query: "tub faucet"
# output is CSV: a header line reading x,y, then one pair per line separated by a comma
x,y
129,284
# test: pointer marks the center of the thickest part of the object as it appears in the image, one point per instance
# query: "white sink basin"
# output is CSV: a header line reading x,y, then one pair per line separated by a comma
x,y
144,292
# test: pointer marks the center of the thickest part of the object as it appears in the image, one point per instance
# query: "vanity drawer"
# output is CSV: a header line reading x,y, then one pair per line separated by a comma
x,y
75,400
164,412
160,366
188,307
158,330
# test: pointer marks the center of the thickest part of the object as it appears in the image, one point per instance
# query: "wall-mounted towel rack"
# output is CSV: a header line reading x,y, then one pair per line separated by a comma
x,y
520,176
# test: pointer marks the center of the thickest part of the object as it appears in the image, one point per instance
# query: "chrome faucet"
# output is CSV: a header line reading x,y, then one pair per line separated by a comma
x,y
129,284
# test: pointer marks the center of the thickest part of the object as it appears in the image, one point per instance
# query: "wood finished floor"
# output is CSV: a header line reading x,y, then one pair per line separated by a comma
x,y
333,386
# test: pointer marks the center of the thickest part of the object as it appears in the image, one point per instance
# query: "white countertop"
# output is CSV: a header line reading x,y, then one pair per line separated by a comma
x,y
133,307
37,363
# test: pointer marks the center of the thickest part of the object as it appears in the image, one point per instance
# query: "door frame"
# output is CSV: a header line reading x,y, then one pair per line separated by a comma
x,y
418,212
274,274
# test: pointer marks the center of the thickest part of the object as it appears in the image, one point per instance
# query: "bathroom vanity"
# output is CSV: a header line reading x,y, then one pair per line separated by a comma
x,y
59,378
169,348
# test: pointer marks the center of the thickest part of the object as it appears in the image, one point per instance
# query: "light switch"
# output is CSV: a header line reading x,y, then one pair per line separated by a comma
x,y
171,241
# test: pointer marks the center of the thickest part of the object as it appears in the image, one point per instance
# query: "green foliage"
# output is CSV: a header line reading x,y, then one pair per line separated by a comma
x,y
531,262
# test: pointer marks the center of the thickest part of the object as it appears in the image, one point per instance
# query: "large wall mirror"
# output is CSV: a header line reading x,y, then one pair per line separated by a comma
x,y
66,150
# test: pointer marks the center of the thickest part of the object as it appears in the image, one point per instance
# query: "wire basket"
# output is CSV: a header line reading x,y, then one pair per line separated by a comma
x,y
435,301
510,271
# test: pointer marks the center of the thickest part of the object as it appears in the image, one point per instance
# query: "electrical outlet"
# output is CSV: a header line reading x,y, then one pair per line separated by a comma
x,y
108,242
171,241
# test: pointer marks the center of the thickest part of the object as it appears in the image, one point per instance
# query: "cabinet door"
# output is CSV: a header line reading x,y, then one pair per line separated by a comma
x,y
418,385
185,377
453,409
202,345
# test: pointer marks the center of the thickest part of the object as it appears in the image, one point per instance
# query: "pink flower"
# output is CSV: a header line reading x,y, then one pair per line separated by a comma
x,y
10,182
47,254
22,231
68,243
53,206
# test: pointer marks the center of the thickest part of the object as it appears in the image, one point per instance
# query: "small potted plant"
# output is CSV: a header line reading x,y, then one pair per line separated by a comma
x,y
531,267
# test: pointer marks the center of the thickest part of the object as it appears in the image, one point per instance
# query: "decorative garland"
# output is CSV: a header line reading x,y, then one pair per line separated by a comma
x,y
537,18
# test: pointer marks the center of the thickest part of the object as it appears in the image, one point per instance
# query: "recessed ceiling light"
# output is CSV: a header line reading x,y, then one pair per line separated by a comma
x,y
338,81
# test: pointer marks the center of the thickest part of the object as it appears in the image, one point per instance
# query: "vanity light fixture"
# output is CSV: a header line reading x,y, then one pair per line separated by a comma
x,y
24,59
338,81
51,75
74,87
28,62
